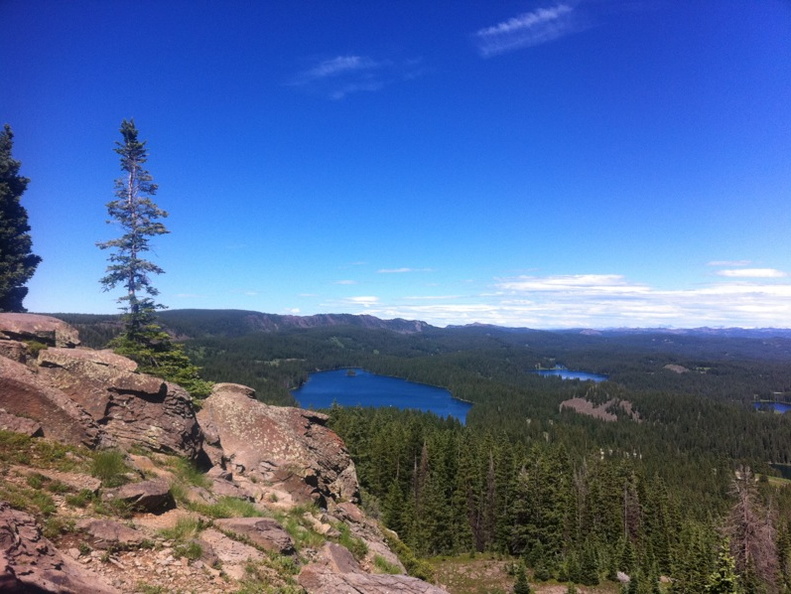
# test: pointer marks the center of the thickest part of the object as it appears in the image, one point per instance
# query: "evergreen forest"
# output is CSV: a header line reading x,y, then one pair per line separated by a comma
x,y
683,492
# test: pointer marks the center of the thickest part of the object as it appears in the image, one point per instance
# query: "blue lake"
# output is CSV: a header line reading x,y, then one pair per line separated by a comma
x,y
778,407
369,389
569,375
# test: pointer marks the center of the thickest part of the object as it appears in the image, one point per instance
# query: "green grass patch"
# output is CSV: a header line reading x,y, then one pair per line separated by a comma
x,y
356,546
187,472
185,528
300,528
382,565
16,448
110,467
190,549
34,501
81,499
414,566
227,507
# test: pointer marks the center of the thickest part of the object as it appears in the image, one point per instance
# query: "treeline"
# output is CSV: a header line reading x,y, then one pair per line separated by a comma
x,y
447,489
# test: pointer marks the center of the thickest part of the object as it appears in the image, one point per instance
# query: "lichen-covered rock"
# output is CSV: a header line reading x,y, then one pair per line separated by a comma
x,y
45,329
280,445
14,350
136,409
30,563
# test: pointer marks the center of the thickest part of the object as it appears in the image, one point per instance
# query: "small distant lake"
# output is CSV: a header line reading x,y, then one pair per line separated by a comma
x,y
358,387
778,407
570,375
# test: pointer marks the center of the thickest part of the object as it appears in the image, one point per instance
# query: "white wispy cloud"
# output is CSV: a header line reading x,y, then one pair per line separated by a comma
x,y
752,273
343,75
729,263
366,300
529,29
338,66
596,301
401,270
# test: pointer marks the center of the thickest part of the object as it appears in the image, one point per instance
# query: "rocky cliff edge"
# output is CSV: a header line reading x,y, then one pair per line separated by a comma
x,y
111,482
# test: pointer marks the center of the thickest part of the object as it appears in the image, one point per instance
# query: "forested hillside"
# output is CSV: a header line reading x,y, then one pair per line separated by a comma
x,y
656,493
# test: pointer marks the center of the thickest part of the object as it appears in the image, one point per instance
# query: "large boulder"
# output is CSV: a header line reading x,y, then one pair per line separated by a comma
x,y
24,393
31,327
280,445
30,563
151,496
134,408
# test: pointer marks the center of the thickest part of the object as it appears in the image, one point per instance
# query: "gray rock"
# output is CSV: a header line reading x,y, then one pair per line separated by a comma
x,y
280,445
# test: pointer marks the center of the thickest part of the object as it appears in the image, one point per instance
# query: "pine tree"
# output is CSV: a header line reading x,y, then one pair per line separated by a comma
x,y
521,585
724,580
139,217
143,340
17,263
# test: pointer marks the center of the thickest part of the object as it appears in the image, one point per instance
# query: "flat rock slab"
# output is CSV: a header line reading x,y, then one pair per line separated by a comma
x,y
107,534
264,532
318,579
233,554
45,329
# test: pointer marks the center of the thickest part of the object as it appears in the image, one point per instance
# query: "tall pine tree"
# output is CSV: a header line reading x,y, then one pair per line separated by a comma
x,y
139,217
137,214
17,262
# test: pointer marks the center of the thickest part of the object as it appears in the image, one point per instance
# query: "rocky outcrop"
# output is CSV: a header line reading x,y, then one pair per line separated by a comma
x,y
135,409
270,458
44,329
30,563
290,447
24,393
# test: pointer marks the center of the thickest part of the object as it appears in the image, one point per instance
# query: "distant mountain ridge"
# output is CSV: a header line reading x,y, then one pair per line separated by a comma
x,y
233,322
194,323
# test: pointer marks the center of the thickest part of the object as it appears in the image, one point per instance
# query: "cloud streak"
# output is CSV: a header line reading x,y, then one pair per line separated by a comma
x,y
528,29
599,301
343,75
401,270
752,273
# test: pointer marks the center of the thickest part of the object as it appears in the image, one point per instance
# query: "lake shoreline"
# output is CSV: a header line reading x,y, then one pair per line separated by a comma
x,y
339,386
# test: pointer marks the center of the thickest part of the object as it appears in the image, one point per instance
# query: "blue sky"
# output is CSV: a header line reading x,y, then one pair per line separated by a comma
x,y
548,164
